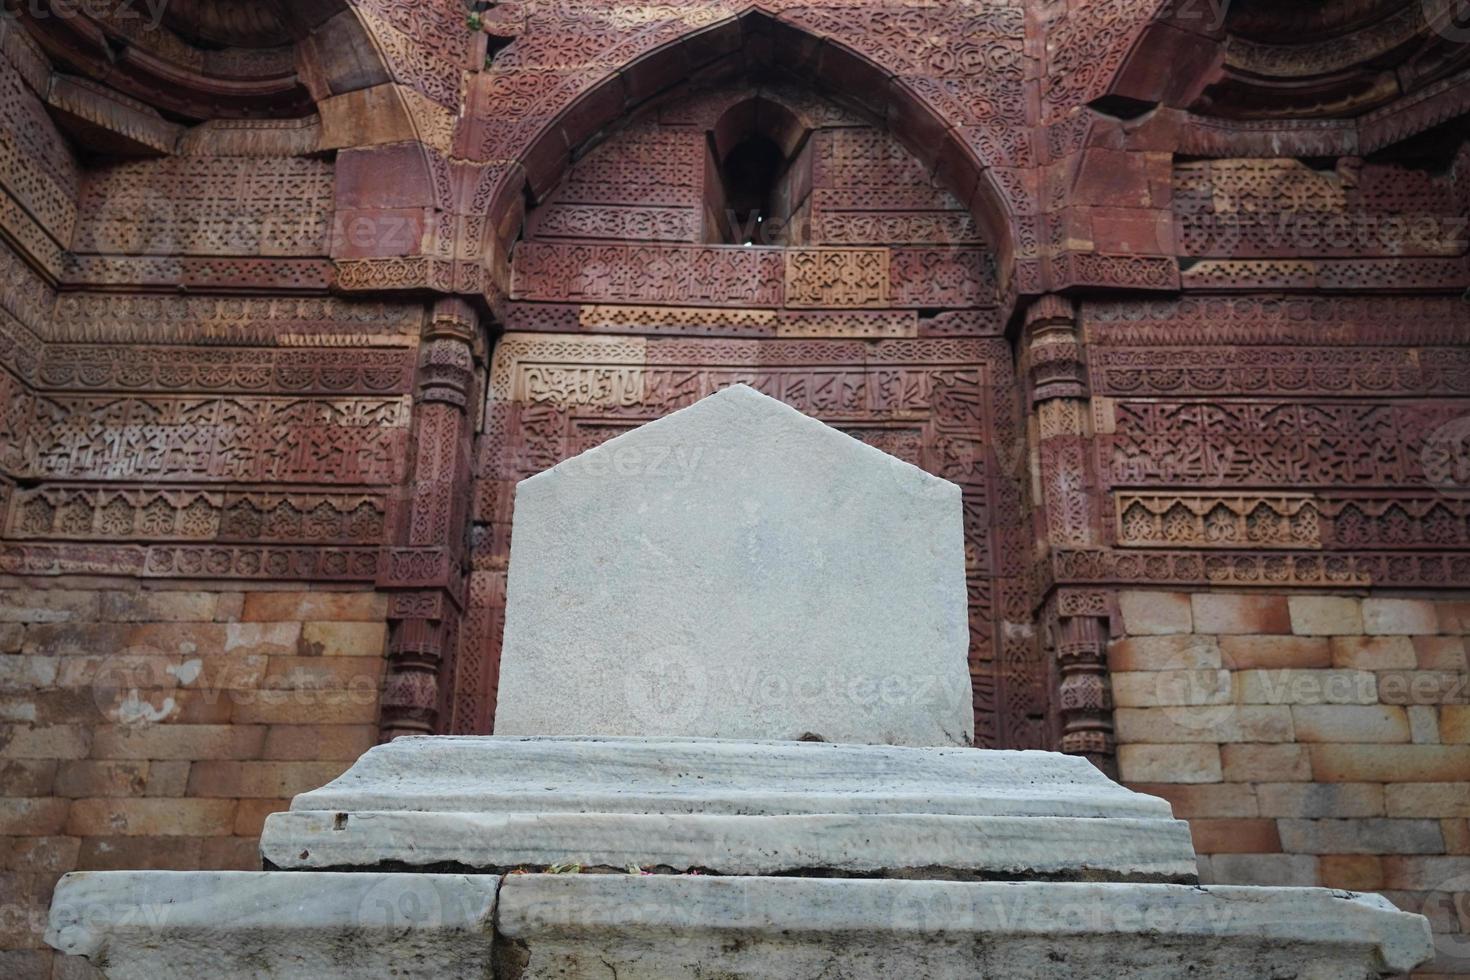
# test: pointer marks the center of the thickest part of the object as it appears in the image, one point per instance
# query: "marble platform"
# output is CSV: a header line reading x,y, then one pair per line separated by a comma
x,y
162,925
729,807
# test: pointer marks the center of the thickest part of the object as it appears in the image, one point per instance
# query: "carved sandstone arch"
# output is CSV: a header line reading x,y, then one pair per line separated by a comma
x,y
972,164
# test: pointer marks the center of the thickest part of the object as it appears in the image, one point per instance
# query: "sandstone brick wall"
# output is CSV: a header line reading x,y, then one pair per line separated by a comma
x,y
156,729
1309,740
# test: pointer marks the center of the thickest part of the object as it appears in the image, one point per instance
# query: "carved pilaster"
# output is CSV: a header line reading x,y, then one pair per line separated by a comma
x,y
1077,624
1075,620
424,567
1056,370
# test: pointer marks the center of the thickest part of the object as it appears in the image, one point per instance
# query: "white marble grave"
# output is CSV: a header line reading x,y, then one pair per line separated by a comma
x,y
737,570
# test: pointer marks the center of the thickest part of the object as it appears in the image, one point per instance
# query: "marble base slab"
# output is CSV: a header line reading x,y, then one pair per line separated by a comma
x,y
499,803
158,925
574,926
527,927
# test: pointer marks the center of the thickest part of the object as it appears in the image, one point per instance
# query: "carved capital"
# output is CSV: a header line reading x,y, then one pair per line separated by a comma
x,y
1057,366
447,355
1083,703
420,651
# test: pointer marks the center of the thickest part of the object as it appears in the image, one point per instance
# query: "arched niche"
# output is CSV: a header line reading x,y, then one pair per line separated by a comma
x,y
752,45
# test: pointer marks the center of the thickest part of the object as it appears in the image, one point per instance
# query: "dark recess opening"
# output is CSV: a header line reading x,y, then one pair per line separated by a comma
x,y
751,171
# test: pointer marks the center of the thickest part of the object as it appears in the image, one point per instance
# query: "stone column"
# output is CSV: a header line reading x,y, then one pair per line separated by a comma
x,y
1074,621
424,570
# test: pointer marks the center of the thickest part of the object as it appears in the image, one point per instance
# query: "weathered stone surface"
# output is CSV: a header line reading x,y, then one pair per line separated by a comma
x,y
565,925
151,924
728,806
281,924
737,570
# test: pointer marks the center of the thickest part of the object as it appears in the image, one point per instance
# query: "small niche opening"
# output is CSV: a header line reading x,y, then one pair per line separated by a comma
x,y
757,177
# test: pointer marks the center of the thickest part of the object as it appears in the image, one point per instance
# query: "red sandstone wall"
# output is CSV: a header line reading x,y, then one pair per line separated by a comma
x,y
157,728
1309,740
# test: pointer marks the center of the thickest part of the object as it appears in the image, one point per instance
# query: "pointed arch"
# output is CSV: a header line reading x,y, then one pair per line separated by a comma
x,y
965,160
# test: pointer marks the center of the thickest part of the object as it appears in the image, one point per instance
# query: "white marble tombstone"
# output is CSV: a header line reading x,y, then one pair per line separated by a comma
x,y
737,570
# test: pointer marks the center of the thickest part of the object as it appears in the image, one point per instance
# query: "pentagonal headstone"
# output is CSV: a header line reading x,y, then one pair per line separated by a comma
x,y
737,570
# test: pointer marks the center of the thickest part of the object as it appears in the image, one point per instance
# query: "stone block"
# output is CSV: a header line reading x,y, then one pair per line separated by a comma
x,y
22,672
1274,652
12,636
262,639
250,817
355,706
1454,617
1279,870
82,778
26,817
322,674
323,742
1245,763
28,964
48,606
145,606
343,639
1350,723
1155,613
43,854
75,639
1365,836
574,924
28,777
1191,800
731,807
1374,653
301,607
1390,763
1306,687
1226,613
1235,836
1400,616
1318,800
762,522
236,923
118,853
1355,872
1456,833
151,818
1324,615
45,742
1454,724
1169,763
1153,688
1144,653
172,639
1440,652
224,675
271,780
1446,799
1424,873
167,777
1423,687
1424,724
228,606
229,854
1215,723
179,741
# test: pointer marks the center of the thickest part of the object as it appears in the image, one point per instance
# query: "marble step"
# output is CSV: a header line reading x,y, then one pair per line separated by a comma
x,y
731,807
323,925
